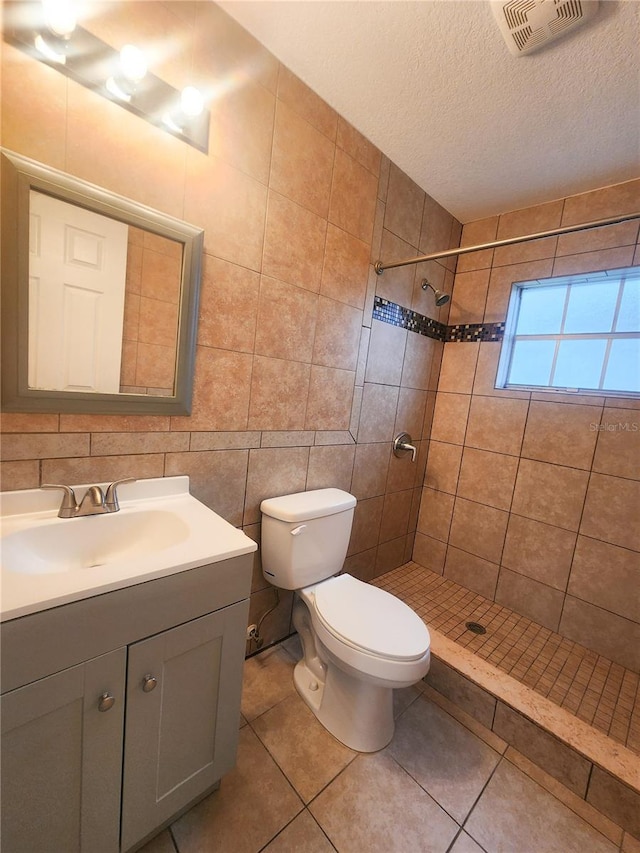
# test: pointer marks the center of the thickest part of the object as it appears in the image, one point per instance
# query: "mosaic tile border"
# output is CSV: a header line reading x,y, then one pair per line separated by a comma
x,y
475,332
405,318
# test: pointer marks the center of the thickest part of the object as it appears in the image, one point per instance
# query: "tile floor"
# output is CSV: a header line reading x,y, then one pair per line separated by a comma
x,y
440,786
598,691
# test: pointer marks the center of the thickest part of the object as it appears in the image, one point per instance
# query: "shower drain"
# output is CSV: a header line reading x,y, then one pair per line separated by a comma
x,y
476,627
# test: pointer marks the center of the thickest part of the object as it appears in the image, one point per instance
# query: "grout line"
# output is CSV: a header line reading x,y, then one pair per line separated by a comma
x,y
173,840
454,839
331,781
281,830
422,788
484,788
317,823
588,785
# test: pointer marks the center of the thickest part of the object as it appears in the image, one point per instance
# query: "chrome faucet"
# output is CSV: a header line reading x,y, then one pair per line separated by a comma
x,y
94,501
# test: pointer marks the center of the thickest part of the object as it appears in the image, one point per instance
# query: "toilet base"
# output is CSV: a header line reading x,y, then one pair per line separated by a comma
x,y
357,713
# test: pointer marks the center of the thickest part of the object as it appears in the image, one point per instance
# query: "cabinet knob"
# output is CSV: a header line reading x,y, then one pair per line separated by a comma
x,y
106,702
149,683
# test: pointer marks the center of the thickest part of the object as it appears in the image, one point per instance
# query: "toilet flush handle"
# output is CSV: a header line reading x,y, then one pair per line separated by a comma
x,y
298,530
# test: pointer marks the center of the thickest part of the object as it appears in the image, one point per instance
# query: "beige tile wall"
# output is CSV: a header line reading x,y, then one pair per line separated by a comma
x,y
295,387
533,499
150,329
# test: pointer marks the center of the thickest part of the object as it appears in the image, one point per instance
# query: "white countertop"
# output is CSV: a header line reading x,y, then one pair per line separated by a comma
x,y
204,537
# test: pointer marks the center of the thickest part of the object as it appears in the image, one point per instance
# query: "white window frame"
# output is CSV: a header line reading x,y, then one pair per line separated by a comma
x,y
510,337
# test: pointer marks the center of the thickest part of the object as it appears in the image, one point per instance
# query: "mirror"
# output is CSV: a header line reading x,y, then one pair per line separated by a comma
x,y
99,298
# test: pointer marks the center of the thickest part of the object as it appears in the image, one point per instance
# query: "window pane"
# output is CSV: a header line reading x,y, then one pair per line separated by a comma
x,y
591,307
541,310
531,362
629,316
623,367
579,364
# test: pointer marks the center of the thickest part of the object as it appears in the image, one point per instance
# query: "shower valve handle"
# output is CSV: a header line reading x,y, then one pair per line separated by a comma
x,y
402,444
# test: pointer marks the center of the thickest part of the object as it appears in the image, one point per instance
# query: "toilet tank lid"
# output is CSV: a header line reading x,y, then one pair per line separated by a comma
x,y
306,505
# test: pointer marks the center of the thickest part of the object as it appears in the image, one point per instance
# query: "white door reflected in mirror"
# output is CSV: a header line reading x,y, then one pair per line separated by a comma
x,y
77,275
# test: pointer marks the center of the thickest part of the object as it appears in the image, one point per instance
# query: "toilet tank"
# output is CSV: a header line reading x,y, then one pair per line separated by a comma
x,y
305,536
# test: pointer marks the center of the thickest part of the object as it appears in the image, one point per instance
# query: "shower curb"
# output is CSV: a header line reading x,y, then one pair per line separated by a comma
x,y
602,772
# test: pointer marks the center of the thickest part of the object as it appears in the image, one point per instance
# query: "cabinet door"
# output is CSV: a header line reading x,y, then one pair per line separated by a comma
x,y
62,760
181,731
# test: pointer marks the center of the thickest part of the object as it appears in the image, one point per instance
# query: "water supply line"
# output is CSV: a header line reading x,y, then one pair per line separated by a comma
x,y
380,267
253,631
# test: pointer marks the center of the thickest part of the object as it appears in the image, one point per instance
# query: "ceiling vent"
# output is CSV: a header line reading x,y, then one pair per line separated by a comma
x,y
528,25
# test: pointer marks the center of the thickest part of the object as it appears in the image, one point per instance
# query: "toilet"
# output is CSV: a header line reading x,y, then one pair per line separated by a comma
x,y
359,642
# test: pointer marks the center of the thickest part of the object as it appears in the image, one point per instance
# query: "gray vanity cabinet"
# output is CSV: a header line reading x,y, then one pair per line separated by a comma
x,y
61,760
179,738
84,774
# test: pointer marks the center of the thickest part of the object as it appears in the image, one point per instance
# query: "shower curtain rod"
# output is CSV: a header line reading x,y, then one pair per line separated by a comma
x,y
510,241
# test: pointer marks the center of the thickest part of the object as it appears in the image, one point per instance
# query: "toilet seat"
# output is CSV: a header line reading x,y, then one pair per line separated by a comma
x,y
369,619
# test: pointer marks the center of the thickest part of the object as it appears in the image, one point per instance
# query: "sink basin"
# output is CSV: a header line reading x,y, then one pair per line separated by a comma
x,y
66,545
159,530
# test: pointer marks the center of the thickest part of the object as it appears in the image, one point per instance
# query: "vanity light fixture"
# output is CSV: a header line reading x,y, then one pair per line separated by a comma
x,y
47,31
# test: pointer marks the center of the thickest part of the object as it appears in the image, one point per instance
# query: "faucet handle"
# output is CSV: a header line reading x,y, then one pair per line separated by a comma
x,y
111,498
402,444
69,505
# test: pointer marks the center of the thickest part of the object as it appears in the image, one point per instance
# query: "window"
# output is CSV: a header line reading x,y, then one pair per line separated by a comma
x,y
574,333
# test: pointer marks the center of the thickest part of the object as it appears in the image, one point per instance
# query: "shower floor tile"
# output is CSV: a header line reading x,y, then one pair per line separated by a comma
x,y
594,689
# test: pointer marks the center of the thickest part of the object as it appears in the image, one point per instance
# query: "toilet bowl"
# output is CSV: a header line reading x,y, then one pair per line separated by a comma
x,y
359,642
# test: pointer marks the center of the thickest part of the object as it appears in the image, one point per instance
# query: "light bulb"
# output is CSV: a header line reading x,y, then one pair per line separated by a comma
x,y
191,105
133,64
132,68
59,17
191,101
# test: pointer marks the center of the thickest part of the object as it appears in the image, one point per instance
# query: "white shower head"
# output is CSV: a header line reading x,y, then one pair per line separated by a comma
x,y
528,25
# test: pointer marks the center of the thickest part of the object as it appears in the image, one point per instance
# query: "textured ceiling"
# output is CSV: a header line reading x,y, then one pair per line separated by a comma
x,y
434,86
